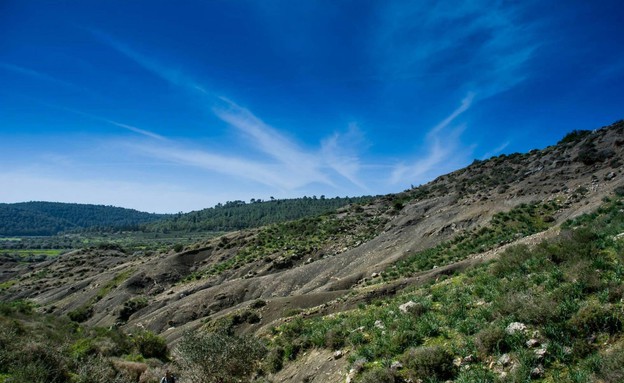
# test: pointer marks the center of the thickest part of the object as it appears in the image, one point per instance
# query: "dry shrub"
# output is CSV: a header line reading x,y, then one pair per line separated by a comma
x,y
378,375
611,370
130,370
218,357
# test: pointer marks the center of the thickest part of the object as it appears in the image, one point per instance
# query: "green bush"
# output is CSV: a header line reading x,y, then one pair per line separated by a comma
x,y
83,348
594,317
511,260
81,314
22,306
476,375
37,363
574,136
429,362
150,345
491,340
275,360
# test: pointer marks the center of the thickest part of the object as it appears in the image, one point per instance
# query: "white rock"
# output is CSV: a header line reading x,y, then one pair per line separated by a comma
x,y
405,307
504,360
515,327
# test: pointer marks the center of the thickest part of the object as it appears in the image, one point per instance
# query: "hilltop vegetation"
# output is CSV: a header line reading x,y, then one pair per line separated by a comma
x,y
238,215
51,218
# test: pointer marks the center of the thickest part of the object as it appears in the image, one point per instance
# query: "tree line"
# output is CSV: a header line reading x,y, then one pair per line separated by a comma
x,y
52,218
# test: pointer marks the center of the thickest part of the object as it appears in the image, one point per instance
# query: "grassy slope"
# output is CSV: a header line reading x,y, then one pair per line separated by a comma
x,y
567,292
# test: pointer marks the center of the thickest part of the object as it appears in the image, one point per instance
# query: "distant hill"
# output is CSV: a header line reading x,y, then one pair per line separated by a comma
x,y
237,215
50,218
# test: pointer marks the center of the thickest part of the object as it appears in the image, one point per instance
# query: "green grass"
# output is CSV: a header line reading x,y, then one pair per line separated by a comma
x,y
522,221
22,253
7,284
568,291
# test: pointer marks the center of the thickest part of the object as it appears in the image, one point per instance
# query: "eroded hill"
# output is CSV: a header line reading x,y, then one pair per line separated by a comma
x,y
261,278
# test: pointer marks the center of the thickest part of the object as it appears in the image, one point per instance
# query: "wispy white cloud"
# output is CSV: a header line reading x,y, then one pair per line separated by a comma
x,y
272,143
140,131
282,163
340,153
131,128
444,151
465,105
496,150
173,76
285,164
274,175
479,46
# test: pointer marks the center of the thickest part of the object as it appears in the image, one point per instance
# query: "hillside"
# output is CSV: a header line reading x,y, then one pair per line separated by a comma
x,y
51,218
510,269
237,215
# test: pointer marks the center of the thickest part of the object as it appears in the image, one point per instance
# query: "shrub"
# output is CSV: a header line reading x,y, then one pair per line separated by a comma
x,y
38,363
82,348
611,370
150,345
81,314
218,357
574,136
131,306
490,340
511,260
476,375
378,375
19,306
258,303
95,370
275,360
335,338
428,362
594,317
527,307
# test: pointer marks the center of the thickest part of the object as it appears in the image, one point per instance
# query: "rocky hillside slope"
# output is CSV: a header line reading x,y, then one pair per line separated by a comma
x,y
260,278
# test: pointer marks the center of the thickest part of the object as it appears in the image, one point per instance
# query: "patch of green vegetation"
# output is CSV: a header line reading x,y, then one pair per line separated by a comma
x,y
28,249
37,347
521,221
7,284
574,136
288,242
565,298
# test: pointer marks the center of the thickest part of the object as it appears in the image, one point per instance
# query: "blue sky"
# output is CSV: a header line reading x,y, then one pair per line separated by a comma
x,y
170,106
